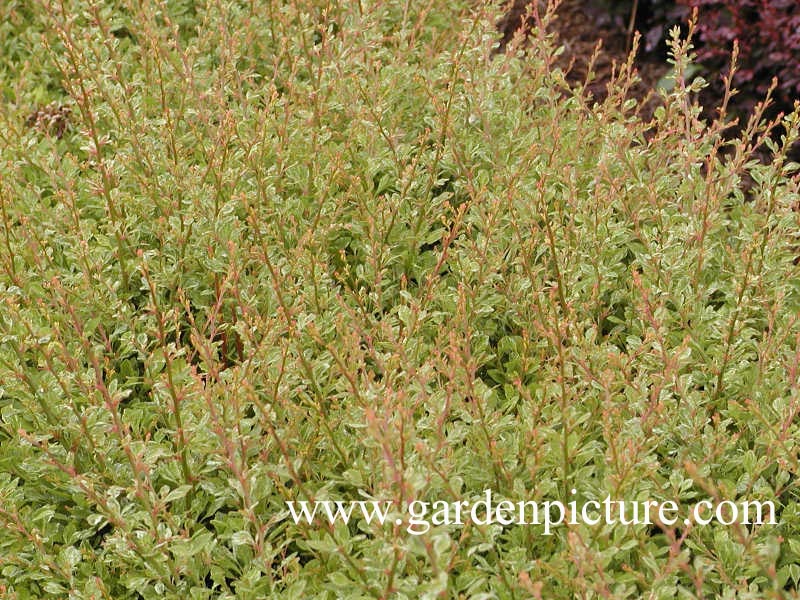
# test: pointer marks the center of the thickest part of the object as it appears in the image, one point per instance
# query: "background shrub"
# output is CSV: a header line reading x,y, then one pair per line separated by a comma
x,y
768,34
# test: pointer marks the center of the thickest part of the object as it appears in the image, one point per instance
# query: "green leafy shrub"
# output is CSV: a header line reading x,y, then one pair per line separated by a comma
x,y
307,251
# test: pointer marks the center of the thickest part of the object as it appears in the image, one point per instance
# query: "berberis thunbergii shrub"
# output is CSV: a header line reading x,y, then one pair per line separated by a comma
x,y
265,252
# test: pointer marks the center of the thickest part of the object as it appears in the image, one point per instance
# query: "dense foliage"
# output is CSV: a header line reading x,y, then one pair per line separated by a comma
x,y
260,252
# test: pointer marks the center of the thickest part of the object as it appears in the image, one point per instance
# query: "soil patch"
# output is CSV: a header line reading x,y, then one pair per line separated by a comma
x,y
579,26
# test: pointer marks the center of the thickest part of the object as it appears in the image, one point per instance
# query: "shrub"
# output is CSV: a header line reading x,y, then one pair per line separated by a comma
x,y
316,250
768,34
